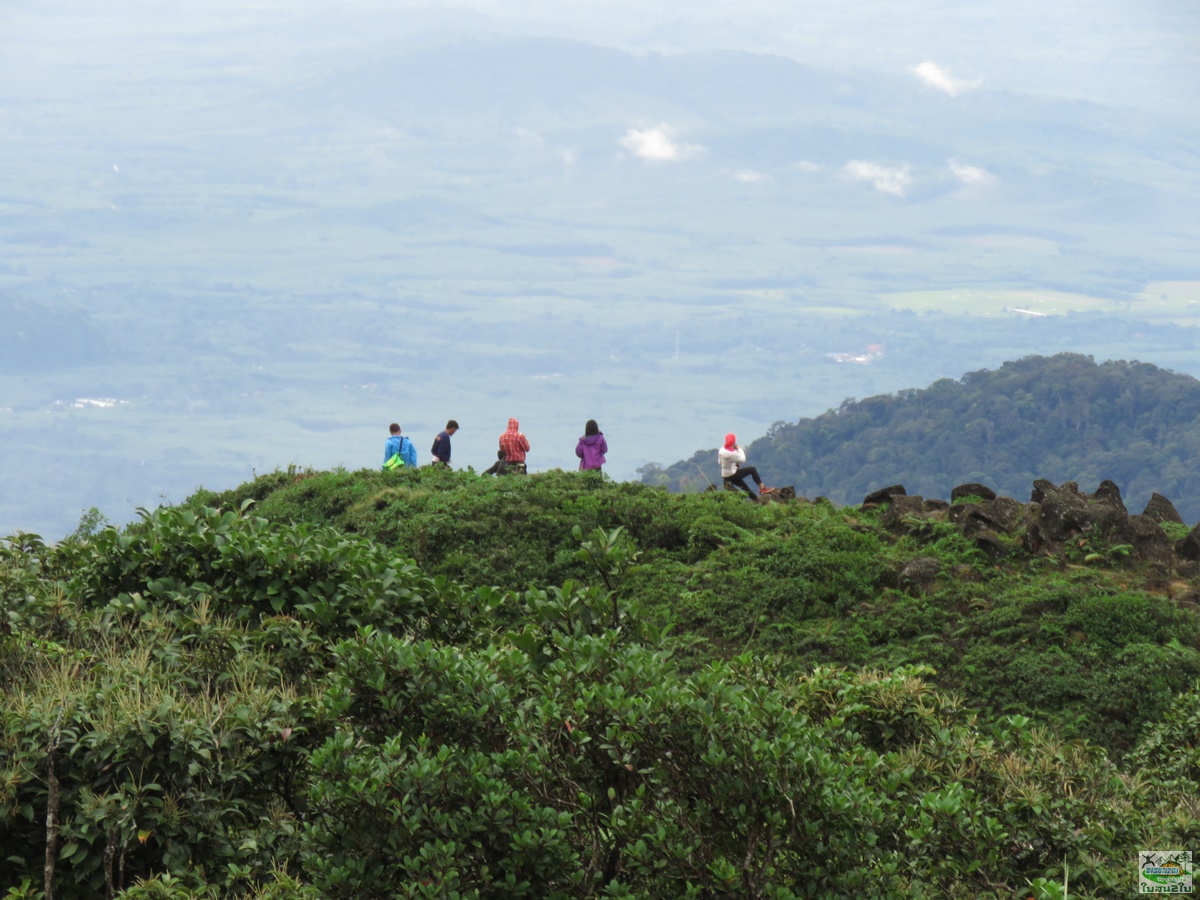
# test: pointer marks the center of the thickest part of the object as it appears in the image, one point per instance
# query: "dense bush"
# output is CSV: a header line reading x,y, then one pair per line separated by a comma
x,y
258,702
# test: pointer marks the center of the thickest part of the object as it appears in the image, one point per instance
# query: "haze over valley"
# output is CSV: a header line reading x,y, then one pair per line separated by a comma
x,y
238,237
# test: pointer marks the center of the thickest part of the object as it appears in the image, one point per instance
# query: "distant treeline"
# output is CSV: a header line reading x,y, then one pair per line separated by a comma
x,y
1062,417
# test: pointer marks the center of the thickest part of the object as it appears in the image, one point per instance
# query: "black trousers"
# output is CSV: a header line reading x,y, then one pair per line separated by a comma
x,y
738,479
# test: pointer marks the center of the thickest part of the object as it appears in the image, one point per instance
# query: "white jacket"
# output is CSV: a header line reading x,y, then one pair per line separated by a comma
x,y
730,460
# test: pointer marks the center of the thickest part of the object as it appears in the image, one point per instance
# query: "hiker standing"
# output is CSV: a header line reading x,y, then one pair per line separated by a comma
x,y
733,473
591,447
515,445
441,445
399,450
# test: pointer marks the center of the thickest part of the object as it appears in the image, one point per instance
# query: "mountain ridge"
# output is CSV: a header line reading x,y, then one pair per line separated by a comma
x,y
1064,417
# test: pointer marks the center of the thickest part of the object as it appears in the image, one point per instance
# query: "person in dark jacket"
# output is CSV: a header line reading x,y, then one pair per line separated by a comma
x,y
591,447
441,445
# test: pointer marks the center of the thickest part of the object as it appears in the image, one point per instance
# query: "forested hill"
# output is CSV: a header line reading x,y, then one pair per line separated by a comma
x,y
1063,418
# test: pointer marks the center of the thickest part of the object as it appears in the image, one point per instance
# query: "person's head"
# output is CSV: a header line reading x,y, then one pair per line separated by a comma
x,y
730,441
451,427
513,425
394,428
591,427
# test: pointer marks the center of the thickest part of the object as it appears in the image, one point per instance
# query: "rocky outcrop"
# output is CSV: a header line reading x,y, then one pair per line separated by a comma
x,y
884,495
972,489
1002,514
1189,547
1160,509
1146,538
1064,513
919,574
1058,520
902,507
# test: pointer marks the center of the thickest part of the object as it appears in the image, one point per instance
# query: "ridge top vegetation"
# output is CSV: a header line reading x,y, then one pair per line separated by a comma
x,y
426,683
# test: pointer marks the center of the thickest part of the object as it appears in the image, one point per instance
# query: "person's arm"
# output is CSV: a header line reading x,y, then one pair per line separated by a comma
x,y
410,458
603,445
579,448
524,443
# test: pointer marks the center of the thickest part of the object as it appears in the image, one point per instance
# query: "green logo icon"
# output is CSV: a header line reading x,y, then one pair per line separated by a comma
x,y
1165,872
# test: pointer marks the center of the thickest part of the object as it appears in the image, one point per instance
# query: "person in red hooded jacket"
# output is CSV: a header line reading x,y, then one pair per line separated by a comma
x,y
734,473
515,445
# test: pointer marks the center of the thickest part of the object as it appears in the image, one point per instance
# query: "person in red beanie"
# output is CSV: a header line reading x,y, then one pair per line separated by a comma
x,y
733,473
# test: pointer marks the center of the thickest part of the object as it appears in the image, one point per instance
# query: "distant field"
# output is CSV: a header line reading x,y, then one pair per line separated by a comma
x,y
1175,301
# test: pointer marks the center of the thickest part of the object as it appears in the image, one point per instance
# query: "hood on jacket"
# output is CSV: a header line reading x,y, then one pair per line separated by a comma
x,y
514,425
590,439
730,441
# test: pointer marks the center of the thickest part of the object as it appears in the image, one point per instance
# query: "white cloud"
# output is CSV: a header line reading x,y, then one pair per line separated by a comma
x,y
941,79
894,181
748,176
805,165
970,176
658,145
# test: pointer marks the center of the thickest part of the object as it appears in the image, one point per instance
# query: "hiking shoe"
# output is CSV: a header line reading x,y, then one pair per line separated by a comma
x,y
765,490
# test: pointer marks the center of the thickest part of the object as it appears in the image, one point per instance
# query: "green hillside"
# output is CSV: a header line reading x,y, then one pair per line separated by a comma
x,y
1063,417
434,684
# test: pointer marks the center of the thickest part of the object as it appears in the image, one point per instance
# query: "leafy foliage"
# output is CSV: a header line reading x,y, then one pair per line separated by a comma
x,y
255,695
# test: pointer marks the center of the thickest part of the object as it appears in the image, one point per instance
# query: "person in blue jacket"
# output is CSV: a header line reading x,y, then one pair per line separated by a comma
x,y
398,444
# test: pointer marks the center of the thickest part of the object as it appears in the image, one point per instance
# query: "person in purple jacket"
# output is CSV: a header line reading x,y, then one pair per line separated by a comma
x,y
591,447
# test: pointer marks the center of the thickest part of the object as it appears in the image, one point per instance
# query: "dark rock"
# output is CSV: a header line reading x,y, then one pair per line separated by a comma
x,y
900,508
991,544
1145,536
1063,515
921,573
1189,547
1002,514
779,495
1041,490
1109,493
934,505
1107,506
972,489
1160,509
1189,568
1007,513
885,495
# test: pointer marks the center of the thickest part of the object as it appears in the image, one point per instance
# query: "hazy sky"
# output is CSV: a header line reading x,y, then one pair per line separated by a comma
x,y
1129,52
